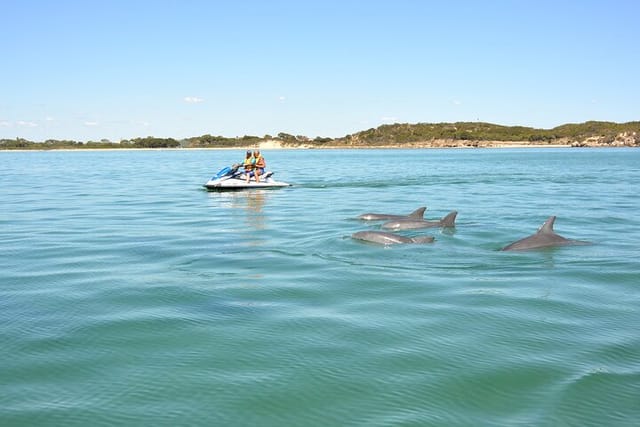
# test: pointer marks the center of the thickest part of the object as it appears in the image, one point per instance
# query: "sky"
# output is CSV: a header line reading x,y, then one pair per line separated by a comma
x,y
120,69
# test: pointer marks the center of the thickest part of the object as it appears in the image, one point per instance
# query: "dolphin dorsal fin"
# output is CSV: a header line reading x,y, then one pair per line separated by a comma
x,y
449,220
418,213
547,227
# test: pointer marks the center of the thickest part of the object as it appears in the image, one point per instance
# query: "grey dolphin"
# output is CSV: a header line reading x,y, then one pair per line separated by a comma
x,y
411,224
384,238
417,214
545,237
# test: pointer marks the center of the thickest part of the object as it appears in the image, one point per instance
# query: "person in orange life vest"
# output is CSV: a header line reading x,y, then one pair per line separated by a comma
x,y
258,165
248,163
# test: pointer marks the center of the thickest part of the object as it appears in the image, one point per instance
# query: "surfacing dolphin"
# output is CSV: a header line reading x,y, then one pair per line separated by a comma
x,y
411,224
384,238
545,237
417,214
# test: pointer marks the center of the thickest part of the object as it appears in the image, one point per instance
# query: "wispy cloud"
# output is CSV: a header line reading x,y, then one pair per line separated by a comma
x,y
282,98
193,99
27,124
456,102
4,124
91,124
389,119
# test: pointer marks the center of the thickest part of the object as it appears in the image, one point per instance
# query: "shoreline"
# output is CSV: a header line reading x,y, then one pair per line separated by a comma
x,y
277,145
592,134
386,147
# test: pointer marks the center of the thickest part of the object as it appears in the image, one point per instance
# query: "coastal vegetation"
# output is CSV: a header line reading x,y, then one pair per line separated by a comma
x,y
55,144
459,134
471,133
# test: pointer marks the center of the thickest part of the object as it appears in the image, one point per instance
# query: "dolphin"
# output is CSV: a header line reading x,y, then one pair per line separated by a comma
x,y
545,237
417,214
384,238
410,224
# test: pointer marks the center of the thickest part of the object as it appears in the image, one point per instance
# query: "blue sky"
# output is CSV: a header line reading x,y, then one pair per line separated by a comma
x,y
117,69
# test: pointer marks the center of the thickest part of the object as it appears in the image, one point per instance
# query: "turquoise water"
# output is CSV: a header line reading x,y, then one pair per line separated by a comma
x,y
130,296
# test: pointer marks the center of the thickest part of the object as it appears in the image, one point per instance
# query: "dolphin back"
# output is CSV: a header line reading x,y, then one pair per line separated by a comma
x,y
422,239
545,237
417,214
385,238
414,223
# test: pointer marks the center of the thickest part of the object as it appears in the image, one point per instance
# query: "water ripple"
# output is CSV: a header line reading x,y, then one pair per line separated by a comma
x,y
126,304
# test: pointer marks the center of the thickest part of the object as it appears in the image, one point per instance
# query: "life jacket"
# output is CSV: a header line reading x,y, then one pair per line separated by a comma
x,y
260,163
248,163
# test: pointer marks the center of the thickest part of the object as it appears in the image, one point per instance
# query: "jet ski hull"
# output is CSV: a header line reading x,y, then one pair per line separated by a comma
x,y
235,184
238,182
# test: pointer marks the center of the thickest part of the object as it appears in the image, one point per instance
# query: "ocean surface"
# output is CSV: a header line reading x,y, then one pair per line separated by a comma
x,y
129,295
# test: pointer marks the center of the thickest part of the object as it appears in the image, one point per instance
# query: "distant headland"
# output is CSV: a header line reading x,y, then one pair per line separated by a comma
x,y
419,135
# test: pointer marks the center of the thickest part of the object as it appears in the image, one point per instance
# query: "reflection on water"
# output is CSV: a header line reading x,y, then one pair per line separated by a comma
x,y
250,202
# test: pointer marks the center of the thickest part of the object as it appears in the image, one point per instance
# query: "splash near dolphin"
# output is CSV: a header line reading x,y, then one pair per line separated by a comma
x,y
545,237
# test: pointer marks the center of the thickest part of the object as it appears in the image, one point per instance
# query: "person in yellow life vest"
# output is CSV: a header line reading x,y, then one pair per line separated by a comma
x,y
248,163
259,165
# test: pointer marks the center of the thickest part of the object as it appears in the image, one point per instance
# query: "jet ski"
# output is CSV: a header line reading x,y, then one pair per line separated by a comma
x,y
230,178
